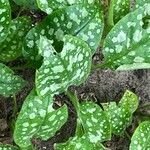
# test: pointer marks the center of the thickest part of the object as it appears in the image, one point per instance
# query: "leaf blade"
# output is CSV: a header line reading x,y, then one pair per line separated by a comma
x,y
127,43
9,83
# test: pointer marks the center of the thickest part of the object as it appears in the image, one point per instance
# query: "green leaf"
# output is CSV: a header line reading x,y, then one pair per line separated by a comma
x,y
38,119
7,147
60,70
49,6
5,18
79,143
129,100
95,122
127,43
83,21
120,118
141,3
11,47
9,83
31,4
141,137
121,8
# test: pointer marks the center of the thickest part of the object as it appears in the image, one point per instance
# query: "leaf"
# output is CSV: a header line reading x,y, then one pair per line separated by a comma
x,y
121,8
79,143
141,137
129,100
95,122
127,43
141,3
5,18
9,83
31,4
60,70
120,118
38,119
83,21
7,147
11,47
48,6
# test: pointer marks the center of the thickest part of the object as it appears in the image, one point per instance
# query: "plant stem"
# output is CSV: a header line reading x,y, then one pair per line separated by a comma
x,y
127,135
101,66
21,10
75,102
110,19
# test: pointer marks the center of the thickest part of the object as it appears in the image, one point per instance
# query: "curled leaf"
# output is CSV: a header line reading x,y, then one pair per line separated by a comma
x,y
60,70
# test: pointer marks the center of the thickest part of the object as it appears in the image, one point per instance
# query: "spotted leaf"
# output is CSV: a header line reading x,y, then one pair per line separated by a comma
x,y
60,70
38,119
11,47
83,21
31,4
9,83
95,122
129,100
8,147
141,3
121,8
141,137
48,6
5,18
120,118
78,143
127,44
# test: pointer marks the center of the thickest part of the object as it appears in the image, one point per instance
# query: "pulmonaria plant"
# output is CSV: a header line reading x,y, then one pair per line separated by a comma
x,y
60,48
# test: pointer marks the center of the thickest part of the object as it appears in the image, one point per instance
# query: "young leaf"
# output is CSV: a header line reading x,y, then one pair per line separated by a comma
x,y
129,100
38,119
141,137
95,122
79,143
11,47
49,6
8,147
121,8
119,118
60,70
9,83
5,18
82,20
31,4
127,43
